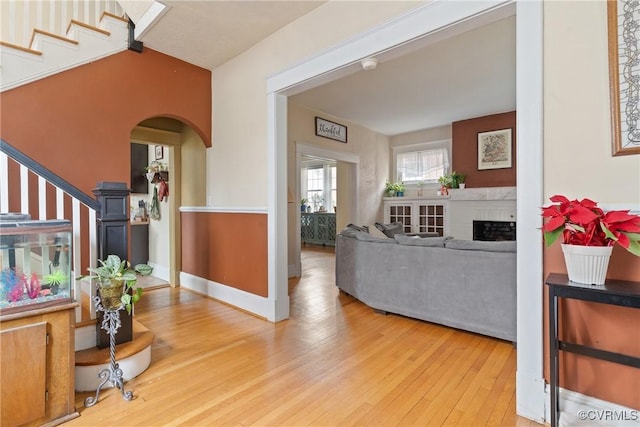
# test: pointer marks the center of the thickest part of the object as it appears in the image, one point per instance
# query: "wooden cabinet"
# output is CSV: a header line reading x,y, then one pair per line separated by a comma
x,y
319,228
38,363
418,215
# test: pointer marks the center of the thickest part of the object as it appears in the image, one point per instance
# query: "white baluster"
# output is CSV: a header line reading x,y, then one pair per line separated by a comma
x,y
4,183
24,189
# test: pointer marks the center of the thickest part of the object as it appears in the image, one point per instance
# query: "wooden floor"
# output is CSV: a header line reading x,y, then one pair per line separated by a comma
x,y
333,363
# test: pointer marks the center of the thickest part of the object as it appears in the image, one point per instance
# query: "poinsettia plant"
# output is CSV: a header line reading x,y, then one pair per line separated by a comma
x,y
583,223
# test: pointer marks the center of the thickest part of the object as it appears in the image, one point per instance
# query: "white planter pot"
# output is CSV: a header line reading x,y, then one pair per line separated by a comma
x,y
587,264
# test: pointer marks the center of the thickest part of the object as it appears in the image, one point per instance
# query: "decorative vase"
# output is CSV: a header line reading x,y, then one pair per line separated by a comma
x,y
462,185
399,193
587,264
111,292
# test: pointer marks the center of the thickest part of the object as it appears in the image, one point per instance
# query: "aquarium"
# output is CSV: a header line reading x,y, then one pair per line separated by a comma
x,y
35,263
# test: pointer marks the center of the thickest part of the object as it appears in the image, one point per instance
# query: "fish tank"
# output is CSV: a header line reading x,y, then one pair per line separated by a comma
x,y
35,263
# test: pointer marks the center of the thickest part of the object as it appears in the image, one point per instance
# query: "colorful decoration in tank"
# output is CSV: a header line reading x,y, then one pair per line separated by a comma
x,y
16,284
33,287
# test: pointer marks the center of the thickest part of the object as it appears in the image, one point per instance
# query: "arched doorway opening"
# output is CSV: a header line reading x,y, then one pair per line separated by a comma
x,y
177,149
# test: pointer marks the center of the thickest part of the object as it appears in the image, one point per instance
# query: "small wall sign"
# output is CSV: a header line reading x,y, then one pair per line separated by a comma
x,y
331,130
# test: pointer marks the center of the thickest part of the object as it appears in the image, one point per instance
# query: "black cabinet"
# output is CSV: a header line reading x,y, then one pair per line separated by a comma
x,y
139,243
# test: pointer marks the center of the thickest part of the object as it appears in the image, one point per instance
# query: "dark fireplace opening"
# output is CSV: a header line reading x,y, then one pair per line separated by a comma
x,y
494,230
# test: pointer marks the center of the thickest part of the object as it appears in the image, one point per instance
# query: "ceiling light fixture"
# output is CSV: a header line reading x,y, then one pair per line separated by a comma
x,y
369,63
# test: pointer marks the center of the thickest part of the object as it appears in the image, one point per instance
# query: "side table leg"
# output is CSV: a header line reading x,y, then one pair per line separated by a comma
x,y
553,352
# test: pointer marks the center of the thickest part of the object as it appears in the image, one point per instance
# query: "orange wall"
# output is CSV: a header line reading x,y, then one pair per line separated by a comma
x,y
78,123
464,150
601,326
227,248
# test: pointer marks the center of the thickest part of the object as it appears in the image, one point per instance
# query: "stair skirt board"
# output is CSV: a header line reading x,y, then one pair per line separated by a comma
x,y
87,376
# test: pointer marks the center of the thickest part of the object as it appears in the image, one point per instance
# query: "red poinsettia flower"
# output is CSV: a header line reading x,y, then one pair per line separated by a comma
x,y
584,223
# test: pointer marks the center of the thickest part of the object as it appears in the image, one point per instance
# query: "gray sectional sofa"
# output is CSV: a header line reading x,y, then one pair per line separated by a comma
x,y
468,285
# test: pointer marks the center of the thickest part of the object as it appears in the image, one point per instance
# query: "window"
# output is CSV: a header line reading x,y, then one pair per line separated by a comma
x,y
425,165
319,186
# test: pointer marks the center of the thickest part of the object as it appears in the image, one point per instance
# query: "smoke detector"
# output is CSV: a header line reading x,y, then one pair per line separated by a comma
x,y
369,63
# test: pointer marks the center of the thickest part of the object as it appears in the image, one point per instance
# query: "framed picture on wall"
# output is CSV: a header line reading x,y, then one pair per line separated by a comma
x,y
159,152
494,149
624,74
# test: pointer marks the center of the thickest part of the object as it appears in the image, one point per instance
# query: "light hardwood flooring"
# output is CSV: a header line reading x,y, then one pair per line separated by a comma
x,y
333,363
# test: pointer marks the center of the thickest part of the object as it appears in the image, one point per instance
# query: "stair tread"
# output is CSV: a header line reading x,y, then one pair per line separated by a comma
x,y
142,338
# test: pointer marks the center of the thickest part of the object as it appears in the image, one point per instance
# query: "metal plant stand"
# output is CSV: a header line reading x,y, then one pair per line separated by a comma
x,y
110,323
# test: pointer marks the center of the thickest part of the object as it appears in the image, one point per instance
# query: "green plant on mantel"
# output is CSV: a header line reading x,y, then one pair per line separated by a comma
x,y
452,180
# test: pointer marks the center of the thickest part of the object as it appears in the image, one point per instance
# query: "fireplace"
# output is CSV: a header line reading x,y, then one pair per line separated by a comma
x,y
494,230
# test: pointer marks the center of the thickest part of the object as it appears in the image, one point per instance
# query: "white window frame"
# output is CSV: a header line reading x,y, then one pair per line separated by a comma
x,y
327,166
425,146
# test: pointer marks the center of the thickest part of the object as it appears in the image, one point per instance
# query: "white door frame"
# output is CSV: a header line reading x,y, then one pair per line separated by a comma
x,y
420,24
303,149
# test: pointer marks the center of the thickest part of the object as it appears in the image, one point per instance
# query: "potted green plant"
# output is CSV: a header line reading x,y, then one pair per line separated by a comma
x,y
458,179
445,183
303,204
399,188
389,189
587,231
117,282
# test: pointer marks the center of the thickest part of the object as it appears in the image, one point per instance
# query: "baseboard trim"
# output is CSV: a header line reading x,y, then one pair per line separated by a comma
x,y
578,409
254,304
160,271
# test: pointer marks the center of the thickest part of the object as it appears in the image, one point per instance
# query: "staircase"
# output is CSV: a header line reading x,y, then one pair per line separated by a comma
x,y
39,39
49,53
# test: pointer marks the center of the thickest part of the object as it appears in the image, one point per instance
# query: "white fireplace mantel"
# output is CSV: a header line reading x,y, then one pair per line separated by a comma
x,y
483,193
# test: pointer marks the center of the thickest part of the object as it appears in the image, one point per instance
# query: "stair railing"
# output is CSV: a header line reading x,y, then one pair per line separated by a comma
x,y
82,214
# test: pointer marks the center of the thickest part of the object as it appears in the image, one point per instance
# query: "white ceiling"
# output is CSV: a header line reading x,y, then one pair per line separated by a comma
x,y
209,33
467,75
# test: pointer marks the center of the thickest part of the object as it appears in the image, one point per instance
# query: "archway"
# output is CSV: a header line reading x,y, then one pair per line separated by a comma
x,y
176,146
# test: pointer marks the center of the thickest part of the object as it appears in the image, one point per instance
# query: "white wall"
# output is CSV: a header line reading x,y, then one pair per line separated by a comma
x,y
577,133
239,94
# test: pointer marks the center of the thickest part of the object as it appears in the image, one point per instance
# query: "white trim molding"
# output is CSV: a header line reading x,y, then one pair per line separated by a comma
x,y
218,209
251,303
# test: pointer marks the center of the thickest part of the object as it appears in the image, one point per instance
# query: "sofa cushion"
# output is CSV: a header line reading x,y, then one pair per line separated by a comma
x,y
434,242
366,237
390,230
479,245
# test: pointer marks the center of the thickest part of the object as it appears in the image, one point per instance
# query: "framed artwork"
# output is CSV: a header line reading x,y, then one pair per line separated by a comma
x,y
624,75
159,152
494,149
331,130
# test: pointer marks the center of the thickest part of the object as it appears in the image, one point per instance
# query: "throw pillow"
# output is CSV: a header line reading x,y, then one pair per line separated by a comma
x,y
432,242
363,228
390,230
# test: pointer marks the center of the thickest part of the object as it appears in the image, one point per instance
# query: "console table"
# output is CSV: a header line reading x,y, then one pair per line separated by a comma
x,y
613,292
318,227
